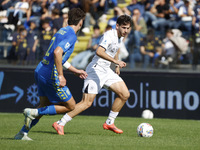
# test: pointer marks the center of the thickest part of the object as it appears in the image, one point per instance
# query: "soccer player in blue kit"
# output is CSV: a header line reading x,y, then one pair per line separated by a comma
x,y
55,97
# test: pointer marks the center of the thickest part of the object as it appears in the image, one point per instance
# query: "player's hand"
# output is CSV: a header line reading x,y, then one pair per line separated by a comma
x,y
121,64
81,74
117,69
62,80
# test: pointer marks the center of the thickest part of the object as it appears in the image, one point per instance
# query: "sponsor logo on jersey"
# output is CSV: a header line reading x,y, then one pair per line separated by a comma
x,y
67,45
104,42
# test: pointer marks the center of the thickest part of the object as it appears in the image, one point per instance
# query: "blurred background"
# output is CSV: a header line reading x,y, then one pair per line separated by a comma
x,y
161,51
165,34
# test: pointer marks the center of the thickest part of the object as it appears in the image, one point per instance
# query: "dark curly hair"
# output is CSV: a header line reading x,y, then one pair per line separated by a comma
x,y
75,15
124,20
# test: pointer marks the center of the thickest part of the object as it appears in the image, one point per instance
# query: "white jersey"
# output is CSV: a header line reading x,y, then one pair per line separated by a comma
x,y
111,43
99,72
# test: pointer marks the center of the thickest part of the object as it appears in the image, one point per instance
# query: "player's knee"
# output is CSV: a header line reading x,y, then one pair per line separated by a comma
x,y
88,104
72,107
125,95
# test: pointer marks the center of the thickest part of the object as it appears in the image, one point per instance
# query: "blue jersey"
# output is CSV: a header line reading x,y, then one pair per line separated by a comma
x,y
46,74
64,38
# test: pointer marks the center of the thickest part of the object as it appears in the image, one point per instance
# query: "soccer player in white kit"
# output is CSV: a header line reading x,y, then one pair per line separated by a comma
x,y
101,75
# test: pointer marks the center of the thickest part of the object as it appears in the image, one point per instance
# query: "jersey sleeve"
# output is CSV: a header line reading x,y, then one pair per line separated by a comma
x,y
105,41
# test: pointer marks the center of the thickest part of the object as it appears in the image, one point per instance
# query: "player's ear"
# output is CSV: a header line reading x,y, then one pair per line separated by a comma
x,y
117,26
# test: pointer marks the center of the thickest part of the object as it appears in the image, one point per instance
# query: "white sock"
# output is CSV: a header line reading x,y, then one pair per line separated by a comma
x,y
111,117
66,118
36,113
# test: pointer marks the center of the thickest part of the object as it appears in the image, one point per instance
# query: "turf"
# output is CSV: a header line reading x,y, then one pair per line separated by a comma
x,y
86,133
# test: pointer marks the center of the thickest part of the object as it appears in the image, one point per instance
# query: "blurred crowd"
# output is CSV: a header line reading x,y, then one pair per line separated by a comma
x,y
163,32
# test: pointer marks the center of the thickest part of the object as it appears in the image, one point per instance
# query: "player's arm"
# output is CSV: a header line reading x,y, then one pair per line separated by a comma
x,y
101,53
117,68
58,62
81,73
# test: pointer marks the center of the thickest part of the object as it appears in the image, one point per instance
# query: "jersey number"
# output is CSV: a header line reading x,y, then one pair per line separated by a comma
x,y
53,40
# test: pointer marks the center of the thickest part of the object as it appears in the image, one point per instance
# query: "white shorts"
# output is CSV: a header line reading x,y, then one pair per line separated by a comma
x,y
99,77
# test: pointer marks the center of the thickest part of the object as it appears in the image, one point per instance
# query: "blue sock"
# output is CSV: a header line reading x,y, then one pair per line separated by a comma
x,y
48,110
33,123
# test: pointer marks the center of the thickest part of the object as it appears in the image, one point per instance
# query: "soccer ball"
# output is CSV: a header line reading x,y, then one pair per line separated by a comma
x,y
145,130
147,114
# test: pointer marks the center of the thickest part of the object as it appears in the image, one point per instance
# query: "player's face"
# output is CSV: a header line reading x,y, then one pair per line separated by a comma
x,y
123,30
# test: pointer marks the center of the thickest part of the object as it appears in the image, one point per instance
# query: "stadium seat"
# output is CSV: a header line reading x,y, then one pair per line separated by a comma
x,y
122,5
102,26
109,16
128,1
110,12
84,38
79,47
89,33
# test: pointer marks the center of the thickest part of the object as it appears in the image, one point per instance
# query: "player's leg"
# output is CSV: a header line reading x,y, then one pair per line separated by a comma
x,y
123,94
32,115
23,133
52,109
64,107
69,106
60,98
90,90
85,103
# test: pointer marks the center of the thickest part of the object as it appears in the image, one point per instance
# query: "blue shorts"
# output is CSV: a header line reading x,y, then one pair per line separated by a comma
x,y
50,89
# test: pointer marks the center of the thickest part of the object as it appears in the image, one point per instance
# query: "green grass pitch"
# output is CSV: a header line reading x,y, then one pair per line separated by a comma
x,y
86,133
